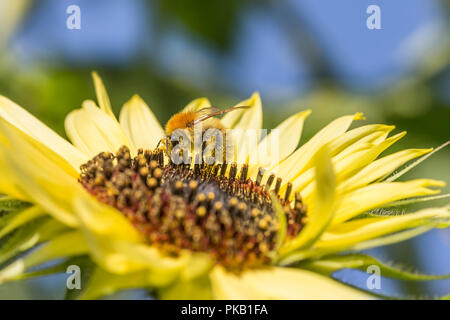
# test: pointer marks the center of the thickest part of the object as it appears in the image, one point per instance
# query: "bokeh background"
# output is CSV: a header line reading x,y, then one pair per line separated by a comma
x,y
315,54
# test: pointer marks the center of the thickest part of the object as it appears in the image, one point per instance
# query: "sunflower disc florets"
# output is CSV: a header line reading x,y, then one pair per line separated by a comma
x,y
198,208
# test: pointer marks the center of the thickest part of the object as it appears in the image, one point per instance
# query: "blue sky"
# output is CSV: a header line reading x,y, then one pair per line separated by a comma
x,y
263,56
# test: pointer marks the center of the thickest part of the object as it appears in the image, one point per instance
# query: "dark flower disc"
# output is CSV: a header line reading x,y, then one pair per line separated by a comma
x,y
198,208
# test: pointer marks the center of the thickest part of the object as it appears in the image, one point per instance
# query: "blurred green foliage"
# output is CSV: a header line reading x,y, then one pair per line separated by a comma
x,y
201,18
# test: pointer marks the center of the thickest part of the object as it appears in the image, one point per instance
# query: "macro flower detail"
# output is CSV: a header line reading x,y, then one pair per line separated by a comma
x,y
113,202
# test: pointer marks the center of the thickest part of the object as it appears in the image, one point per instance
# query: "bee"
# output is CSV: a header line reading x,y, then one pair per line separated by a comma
x,y
187,120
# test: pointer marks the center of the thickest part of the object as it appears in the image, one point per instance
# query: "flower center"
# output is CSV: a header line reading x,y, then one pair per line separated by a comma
x,y
200,209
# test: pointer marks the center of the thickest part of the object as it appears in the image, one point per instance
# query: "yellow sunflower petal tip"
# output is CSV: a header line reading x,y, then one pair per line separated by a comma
x,y
88,104
255,98
197,104
102,94
202,100
305,113
436,183
359,116
136,98
389,128
401,134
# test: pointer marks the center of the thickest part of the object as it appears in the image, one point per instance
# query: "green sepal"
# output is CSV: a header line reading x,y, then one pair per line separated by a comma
x,y
8,204
28,236
87,267
330,264
10,207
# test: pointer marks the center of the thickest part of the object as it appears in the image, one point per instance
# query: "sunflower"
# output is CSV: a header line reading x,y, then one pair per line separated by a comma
x,y
111,203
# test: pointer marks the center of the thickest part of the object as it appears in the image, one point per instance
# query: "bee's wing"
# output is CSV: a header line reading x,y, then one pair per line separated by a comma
x,y
209,112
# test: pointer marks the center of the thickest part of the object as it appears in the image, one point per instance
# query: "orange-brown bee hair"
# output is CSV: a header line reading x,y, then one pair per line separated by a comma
x,y
188,119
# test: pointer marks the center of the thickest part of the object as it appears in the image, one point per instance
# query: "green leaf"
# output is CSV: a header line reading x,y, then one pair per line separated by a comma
x,y
28,236
84,262
14,220
330,264
8,204
54,269
416,200
211,21
20,240
87,267
103,283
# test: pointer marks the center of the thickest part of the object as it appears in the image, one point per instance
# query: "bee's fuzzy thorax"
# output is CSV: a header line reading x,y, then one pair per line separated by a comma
x,y
179,121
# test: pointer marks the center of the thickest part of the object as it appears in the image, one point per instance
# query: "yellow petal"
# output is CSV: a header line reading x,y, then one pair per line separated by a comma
x,y
114,243
92,131
305,182
40,174
379,194
228,286
78,127
252,117
394,238
140,124
300,160
7,185
283,140
288,283
281,284
102,95
13,138
197,264
246,127
197,104
381,168
346,235
104,220
364,143
417,162
27,123
349,145
346,163
240,118
122,256
319,215
353,163
103,283
196,289
353,136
